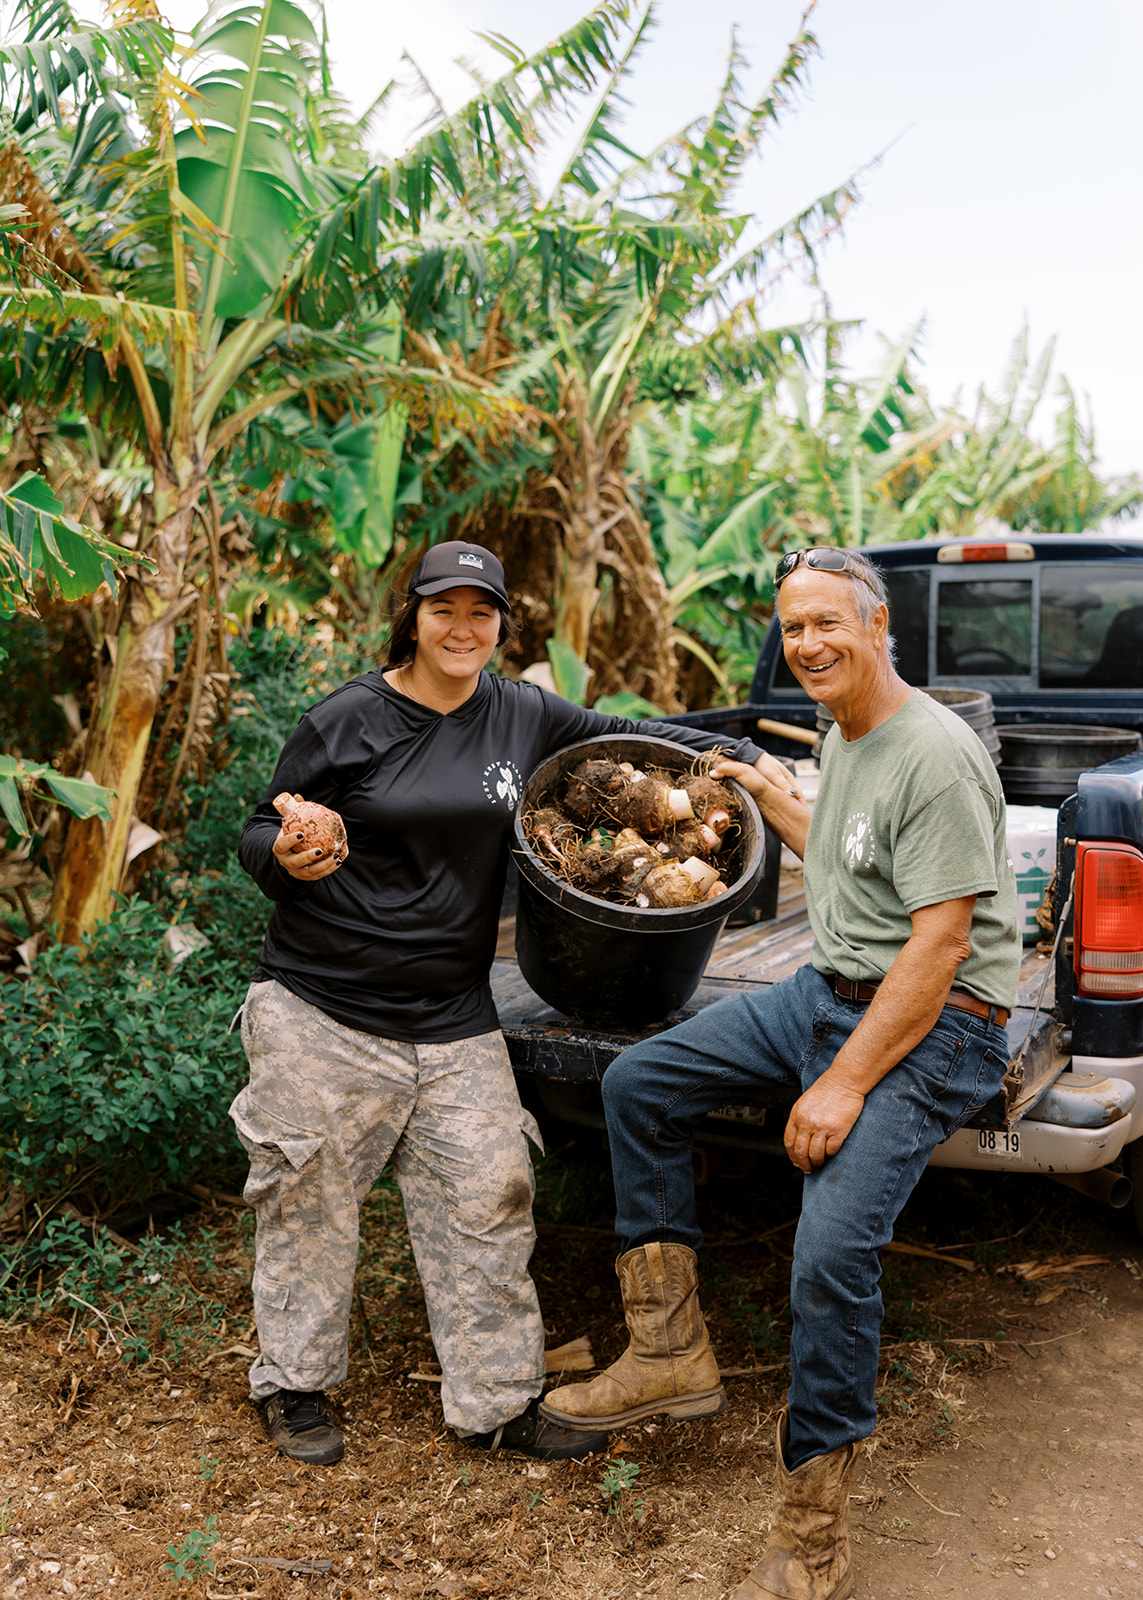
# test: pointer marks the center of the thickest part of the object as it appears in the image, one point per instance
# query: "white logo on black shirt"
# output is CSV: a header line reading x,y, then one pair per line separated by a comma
x,y
503,783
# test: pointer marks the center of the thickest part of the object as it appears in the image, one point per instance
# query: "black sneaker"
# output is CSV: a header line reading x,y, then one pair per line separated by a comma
x,y
301,1426
533,1435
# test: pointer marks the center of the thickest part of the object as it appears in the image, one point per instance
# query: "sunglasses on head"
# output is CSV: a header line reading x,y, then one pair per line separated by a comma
x,y
825,558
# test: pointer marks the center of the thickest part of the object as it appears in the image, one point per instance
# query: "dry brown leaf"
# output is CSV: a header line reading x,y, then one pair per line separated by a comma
x,y
1030,1270
930,1255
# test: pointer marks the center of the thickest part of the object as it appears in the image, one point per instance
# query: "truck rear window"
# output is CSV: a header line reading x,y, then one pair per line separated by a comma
x,y
984,628
1091,627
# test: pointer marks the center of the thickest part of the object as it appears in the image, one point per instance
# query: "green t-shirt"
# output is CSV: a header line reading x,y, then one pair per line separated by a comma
x,y
907,816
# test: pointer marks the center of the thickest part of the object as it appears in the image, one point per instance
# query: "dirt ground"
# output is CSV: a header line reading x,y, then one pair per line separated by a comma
x,y
1007,1459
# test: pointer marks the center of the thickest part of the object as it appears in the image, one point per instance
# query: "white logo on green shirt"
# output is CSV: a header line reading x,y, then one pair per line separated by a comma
x,y
859,844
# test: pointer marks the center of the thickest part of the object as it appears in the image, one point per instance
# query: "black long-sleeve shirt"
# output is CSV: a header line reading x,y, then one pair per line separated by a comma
x,y
399,941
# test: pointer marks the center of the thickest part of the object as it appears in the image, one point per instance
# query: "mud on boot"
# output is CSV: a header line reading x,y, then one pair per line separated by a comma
x,y
668,1367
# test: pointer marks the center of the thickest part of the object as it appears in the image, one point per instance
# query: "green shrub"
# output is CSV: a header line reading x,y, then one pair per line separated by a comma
x,y
144,1298
116,1067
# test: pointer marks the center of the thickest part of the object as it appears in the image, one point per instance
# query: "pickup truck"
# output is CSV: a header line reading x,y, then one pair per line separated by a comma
x,y
1051,627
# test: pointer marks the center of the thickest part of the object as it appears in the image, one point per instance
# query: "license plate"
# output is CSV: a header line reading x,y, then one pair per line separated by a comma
x,y
991,1140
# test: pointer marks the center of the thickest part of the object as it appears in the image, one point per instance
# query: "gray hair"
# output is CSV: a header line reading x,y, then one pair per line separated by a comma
x,y
870,593
868,599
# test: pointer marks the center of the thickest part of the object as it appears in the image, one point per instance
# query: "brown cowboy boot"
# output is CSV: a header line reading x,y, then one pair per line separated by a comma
x,y
807,1557
668,1366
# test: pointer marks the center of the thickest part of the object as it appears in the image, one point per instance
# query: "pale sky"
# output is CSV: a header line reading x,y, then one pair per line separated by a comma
x,y
1009,191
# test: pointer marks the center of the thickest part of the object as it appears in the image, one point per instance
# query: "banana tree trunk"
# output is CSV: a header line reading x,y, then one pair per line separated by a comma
x,y
95,853
601,524
579,585
584,527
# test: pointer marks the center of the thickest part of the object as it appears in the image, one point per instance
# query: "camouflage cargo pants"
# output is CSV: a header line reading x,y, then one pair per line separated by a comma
x,y
326,1107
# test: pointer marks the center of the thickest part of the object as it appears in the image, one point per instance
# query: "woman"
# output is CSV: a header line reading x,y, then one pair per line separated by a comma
x,y
370,1028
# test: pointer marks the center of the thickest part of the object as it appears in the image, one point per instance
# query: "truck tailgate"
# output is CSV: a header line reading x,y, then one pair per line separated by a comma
x,y
546,1044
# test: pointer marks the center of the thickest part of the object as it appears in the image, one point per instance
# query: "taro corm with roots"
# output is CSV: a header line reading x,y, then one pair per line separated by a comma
x,y
590,788
617,865
317,826
711,801
651,804
551,833
646,838
677,883
691,838
645,801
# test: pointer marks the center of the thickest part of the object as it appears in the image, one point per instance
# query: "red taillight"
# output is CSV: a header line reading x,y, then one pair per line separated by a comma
x,y
1109,920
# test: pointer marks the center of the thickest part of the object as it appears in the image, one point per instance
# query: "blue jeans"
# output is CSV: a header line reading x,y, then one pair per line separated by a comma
x,y
788,1035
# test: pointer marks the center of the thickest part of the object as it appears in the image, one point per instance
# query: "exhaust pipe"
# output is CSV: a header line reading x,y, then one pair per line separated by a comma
x,y
1110,1188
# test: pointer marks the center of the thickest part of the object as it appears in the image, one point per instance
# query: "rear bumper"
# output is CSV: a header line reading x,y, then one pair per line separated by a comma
x,y
1034,1147
1129,1068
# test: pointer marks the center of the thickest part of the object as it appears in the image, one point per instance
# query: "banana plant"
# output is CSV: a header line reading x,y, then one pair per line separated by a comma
x,y
209,265
82,799
824,457
41,547
659,287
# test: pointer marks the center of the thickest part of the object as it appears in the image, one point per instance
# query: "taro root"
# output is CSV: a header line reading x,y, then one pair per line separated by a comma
x,y
707,794
691,838
616,865
590,788
552,834
650,804
318,826
677,883
638,836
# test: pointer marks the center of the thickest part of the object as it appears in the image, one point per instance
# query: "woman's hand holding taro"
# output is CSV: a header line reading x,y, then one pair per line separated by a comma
x,y
312,841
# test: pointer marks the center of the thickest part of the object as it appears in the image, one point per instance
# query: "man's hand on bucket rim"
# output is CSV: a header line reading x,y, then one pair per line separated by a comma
x,y
780,801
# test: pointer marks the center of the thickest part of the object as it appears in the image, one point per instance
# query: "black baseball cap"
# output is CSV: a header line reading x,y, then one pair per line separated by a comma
x,y
458,565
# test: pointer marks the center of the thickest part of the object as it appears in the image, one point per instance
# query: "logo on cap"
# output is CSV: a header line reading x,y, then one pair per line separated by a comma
x,y
470,561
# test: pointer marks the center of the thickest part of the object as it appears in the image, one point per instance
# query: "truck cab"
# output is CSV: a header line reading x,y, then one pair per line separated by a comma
x,y
1050,625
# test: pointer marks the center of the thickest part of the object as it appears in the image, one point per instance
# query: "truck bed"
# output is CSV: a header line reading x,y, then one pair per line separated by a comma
x,y
545,1045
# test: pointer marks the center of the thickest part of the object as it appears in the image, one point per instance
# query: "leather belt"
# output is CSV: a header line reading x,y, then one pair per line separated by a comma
x,y
959,999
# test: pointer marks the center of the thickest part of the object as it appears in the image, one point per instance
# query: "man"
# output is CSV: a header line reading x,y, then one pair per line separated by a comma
x,y
894,1035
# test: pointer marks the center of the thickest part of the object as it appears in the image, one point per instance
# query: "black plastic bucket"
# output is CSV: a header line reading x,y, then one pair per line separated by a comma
x,y
973,706
615,965
1040,763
